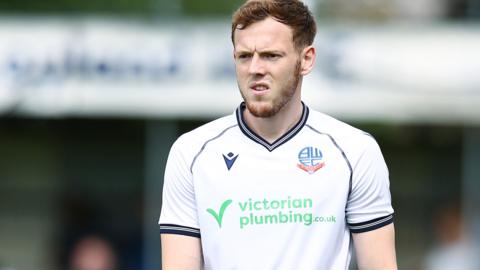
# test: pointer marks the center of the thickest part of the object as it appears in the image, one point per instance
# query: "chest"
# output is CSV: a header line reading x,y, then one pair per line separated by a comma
x,y
301,168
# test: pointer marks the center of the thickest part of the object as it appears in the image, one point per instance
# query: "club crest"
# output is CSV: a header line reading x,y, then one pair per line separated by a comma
x,y
311,159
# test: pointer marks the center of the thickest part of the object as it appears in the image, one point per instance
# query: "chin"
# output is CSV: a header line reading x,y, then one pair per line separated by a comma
x,y
261,109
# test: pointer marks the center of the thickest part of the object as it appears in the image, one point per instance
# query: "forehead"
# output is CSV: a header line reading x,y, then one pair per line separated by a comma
x,y
267,34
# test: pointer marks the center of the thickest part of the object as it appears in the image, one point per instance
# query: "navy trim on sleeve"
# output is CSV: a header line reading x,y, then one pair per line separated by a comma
x,y
370,225
205,144
177,229
343,154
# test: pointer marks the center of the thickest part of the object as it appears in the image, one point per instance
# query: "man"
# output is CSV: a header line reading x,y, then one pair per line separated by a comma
x,y
275,185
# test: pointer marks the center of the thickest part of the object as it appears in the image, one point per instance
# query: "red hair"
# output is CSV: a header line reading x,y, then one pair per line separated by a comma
x,y
289,12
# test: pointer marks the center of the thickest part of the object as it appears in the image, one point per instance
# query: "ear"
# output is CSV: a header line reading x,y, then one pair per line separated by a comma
x,y
307,59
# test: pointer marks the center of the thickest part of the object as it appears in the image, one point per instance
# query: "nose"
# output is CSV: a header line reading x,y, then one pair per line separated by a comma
x,y
257,66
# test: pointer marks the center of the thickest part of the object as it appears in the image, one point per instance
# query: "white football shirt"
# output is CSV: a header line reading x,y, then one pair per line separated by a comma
x,y
291,204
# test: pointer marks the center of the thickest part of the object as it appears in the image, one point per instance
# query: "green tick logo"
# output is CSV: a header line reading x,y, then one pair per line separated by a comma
x,y
219,216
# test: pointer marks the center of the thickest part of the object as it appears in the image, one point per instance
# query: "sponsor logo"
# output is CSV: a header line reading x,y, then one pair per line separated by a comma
x,y
219,216
311,159
230,160
255,212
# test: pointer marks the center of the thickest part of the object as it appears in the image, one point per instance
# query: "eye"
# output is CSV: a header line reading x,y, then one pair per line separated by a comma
x,y
243,56
272,56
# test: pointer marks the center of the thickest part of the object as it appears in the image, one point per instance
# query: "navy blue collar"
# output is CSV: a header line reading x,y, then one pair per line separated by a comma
x,y
283,139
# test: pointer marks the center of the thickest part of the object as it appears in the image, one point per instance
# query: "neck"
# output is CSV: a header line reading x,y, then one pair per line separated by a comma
x,y
272,128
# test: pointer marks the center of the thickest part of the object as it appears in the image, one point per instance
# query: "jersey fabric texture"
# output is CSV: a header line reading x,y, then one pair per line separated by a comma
x,y
291,204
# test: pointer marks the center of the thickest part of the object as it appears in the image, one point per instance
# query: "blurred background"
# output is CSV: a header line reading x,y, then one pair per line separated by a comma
x,y
93,93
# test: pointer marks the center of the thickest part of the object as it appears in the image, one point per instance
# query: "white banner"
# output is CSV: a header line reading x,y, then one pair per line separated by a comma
x,y
58,67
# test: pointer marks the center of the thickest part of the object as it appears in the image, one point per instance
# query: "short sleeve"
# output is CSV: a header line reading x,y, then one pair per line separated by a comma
x,y
179,213
369,204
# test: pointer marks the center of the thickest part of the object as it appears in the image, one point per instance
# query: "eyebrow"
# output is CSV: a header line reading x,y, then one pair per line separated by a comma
x,y
260,52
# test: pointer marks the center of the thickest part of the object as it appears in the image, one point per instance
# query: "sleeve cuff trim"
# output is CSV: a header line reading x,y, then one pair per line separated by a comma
x,y
370,225
177,229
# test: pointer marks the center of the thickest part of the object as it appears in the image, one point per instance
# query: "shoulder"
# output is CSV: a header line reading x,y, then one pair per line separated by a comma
x,y
350,139
192,141
329,125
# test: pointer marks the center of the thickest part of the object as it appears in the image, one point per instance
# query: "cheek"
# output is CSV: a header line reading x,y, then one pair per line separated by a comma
x,y
289,71
241,73
238,69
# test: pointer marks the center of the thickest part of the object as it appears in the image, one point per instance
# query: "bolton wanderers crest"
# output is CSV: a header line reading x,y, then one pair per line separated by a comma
x,y
311,159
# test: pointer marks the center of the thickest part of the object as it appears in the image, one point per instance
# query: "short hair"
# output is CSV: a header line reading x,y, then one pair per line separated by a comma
x,y
292,13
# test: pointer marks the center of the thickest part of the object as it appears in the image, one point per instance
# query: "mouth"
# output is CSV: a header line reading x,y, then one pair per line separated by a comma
x,y
259,88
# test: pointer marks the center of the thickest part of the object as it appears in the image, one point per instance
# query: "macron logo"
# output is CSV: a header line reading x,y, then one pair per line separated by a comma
x,y
230,159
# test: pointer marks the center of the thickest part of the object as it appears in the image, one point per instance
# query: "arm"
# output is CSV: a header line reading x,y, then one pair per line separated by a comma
x,y
179,228
375,249
181,252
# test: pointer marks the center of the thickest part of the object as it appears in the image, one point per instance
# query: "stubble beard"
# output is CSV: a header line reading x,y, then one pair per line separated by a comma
x,y
272,108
